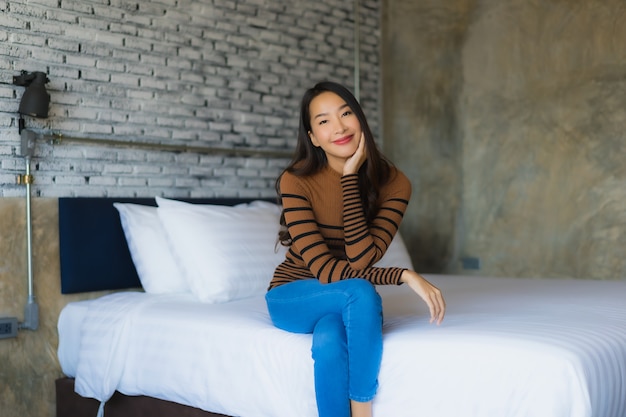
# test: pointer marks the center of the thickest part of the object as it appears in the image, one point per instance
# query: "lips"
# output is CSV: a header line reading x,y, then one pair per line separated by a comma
x,y
343,141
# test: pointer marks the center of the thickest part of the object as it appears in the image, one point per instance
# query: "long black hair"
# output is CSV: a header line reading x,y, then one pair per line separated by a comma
x,y
309,159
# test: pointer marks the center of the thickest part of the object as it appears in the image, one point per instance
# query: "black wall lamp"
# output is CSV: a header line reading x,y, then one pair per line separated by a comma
x,y
35,102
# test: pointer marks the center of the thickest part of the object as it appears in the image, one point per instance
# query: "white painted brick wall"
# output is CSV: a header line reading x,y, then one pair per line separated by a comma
x,y
197,73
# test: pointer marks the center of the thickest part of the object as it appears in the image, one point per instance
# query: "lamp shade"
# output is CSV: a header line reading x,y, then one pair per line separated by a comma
x,y
36,100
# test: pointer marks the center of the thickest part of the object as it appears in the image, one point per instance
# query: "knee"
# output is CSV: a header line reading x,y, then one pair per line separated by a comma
x,y
364,292
329,339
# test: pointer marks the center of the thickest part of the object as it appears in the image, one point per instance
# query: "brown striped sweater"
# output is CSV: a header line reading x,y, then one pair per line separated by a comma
x,y
331,239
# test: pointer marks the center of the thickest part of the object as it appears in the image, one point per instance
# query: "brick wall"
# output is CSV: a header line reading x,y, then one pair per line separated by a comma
x,y
209,73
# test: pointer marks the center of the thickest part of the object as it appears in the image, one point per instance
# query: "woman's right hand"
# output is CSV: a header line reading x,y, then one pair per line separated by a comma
x,y
428,292
353,163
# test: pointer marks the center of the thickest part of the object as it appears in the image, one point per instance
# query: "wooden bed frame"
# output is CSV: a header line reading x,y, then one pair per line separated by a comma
x,y
70,404
91,235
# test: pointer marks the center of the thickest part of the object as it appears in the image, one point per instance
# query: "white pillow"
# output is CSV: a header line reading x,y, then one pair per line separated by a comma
x,y
396,255
149,249
226,253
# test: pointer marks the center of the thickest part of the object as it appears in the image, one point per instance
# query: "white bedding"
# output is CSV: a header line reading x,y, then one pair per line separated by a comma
x,y
507,347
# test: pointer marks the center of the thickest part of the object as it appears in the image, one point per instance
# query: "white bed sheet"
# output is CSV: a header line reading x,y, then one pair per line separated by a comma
x,y
507,347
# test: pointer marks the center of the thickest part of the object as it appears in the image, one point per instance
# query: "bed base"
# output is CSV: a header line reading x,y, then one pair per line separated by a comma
x,y
70,404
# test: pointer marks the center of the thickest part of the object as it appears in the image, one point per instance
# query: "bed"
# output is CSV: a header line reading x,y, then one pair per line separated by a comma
x,y
507,347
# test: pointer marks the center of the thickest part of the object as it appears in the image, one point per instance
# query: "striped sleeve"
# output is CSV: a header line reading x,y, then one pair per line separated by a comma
x,y
366,245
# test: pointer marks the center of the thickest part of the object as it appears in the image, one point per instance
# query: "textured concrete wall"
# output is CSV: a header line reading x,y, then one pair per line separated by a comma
x,y
29,362
510,115
544,113
422,81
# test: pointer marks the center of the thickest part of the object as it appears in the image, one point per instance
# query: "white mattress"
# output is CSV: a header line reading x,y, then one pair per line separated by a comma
x,y
507,347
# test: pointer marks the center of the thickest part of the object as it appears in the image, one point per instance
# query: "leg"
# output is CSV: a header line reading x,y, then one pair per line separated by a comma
x,y
364,329
299,306
361,409
330,355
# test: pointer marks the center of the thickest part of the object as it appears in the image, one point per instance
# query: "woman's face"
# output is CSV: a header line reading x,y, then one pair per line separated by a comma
x,y
334,128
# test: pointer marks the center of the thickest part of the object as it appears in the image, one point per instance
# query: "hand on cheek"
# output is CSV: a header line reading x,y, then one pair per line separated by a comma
x,y
353,163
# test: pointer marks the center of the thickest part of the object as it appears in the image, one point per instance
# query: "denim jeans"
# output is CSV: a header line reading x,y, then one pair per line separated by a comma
x,y
345,318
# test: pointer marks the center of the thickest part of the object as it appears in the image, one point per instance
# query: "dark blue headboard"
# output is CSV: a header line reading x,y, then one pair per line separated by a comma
x,y
94,253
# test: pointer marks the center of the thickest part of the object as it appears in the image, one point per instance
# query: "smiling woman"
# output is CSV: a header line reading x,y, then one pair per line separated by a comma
x,y
343,202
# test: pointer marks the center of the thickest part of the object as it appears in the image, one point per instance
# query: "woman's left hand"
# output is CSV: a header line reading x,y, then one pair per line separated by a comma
x,y
353,163
428,292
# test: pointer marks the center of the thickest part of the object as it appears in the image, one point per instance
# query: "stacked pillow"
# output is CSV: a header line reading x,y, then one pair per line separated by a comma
x,y
149,248
218,253
224,252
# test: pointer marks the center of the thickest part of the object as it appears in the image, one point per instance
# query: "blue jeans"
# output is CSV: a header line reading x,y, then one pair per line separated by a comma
x,y
345,318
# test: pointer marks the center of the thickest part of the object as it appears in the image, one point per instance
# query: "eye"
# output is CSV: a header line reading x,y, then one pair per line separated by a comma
x,y
347,113
322,122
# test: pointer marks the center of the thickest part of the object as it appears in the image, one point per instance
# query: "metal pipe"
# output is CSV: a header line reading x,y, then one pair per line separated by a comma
x,y
31,310
56,139
29,230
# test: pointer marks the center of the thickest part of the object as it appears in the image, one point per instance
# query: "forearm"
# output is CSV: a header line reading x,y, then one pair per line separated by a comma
x,y
361,250
366,242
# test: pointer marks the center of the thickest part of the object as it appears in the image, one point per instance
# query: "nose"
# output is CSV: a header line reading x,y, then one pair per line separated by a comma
x,y
340,127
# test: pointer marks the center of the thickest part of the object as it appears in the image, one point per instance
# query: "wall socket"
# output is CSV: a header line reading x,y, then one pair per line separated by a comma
x,y
470,262
8,327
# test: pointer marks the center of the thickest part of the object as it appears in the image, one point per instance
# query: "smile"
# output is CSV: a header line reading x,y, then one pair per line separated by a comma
x,y
343,141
